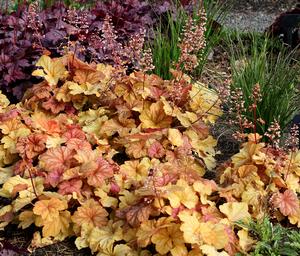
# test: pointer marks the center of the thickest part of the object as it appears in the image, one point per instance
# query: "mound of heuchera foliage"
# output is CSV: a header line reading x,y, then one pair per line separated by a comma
x,y
118,162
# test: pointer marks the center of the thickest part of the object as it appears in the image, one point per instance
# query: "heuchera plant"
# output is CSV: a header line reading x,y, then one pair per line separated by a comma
x,y
118,162
17,53
28,32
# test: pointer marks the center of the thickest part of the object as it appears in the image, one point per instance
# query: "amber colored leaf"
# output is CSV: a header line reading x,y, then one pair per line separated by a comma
x,y
6,215
145,232
59,158
245,241
52,71
190,227
103,238
287,202
39,241
26,218
76,63
169,239
136,149
59,225
175,137
153,116
49,209
214,234
90,213
246,154
87,76
4,102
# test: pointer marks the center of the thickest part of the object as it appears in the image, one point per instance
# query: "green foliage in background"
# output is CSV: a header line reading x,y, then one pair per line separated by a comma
x,y
256,58
167,36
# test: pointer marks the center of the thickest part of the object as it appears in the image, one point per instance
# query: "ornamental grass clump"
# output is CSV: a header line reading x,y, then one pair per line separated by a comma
x,y
256,62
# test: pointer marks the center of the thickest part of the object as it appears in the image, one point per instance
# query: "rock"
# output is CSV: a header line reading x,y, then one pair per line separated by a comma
x,y
287,27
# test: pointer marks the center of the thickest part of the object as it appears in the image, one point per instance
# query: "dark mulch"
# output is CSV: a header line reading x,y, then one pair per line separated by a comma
x,y
15,242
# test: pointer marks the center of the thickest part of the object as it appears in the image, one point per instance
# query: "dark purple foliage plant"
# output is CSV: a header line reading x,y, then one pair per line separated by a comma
x,y
30,32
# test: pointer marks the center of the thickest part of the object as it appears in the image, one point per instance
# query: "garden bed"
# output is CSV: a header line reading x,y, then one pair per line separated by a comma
x,y
145,128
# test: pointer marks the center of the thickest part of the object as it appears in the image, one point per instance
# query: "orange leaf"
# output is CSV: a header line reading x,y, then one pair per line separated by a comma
x,y
49,209
90,213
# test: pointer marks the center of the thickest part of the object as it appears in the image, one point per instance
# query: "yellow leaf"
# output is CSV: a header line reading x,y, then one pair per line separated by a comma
x,y
122,250
205,148
82,239
103,238
206,102
117,250
107,71
205,188
168,239
295,219
10,141
245,156
106,201
211,251
235,211
5,174
53,142
175,137
295,162
27,195
26,218
38,241
190,228
59,225
182,193
4,102
53,70
292,182
145,232
245,241
179,250
214,234
135,171
153,116
86,88
9,187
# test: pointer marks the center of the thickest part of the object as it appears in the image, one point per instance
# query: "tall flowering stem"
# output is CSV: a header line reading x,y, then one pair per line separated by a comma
x,y
192,41
257,97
